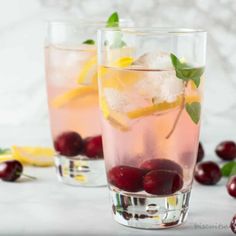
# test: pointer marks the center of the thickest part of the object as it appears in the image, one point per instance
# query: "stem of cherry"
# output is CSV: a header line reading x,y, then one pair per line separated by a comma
x,y
179,113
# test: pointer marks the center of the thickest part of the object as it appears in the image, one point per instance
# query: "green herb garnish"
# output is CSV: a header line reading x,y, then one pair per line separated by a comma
x,y
194,111
116,42
89,42
187,73
113,20
229,169
4,151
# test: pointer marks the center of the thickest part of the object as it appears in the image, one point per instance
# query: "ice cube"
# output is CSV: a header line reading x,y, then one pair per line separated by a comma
x,y
120,101
160,86
154,60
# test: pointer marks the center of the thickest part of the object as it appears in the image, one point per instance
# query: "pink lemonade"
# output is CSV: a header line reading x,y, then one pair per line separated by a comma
x,y
71,77
150,141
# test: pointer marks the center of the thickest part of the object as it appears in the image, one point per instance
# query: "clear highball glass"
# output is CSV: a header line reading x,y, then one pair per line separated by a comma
x,y
150,95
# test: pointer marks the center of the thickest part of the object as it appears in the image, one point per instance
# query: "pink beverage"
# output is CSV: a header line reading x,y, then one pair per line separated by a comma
x,y
142,135
150,111
71,77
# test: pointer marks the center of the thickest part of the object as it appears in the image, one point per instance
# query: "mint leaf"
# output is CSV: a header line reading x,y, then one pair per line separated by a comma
x,y
194,111
4,150
229,169
113,20
89,41
118,43
185,71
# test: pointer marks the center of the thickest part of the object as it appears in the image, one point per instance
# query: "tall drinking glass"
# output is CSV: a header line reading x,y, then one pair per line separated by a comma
x,y
150,94
71,78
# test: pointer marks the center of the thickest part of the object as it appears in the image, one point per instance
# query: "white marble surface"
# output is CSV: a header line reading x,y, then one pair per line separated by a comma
x,y
47,207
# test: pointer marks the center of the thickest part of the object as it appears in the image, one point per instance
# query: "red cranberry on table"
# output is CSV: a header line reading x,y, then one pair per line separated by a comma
x,y
162,164
200,153
69,144
93,147
10,170
162,182
207,173
126,178
233,224
231,186
226,150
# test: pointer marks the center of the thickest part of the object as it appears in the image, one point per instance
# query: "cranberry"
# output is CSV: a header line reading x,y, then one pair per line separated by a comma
x,y
233,224
126,178
162,182
93,147
162,164
200,153
207,173
226,150
231,186
69,144
10,170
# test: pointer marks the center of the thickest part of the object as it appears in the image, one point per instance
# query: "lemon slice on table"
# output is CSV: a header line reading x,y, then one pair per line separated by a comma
x,y
163,106
36,156
116,119
6,157
66,97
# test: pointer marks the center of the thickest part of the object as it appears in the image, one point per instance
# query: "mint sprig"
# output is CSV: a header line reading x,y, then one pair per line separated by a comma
x,y
194,111
113,20
185,71
117,42
89,42
4,151
229,169
188,73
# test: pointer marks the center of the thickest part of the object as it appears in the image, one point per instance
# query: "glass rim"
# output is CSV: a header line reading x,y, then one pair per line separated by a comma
x,y
99,22
154,30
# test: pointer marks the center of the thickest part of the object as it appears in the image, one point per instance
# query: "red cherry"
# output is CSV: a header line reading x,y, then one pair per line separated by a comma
x,y
93,147
162,182
231,186
162,164
200,153
207,173
126,178
69,144
233,224
226,150
10,170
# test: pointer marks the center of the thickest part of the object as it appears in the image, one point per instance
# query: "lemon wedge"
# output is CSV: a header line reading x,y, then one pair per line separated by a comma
x,y
36,156
88,74
123,62
66,97
149,110
6,157
116,119
172,200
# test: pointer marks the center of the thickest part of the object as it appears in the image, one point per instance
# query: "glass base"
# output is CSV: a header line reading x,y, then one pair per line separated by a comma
x,y
81,171
150,212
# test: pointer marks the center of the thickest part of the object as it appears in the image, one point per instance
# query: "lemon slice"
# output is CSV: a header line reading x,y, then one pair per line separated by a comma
x,y
88,74
66,97
6,157
116,119
36,156
145,111
123,62
172,200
